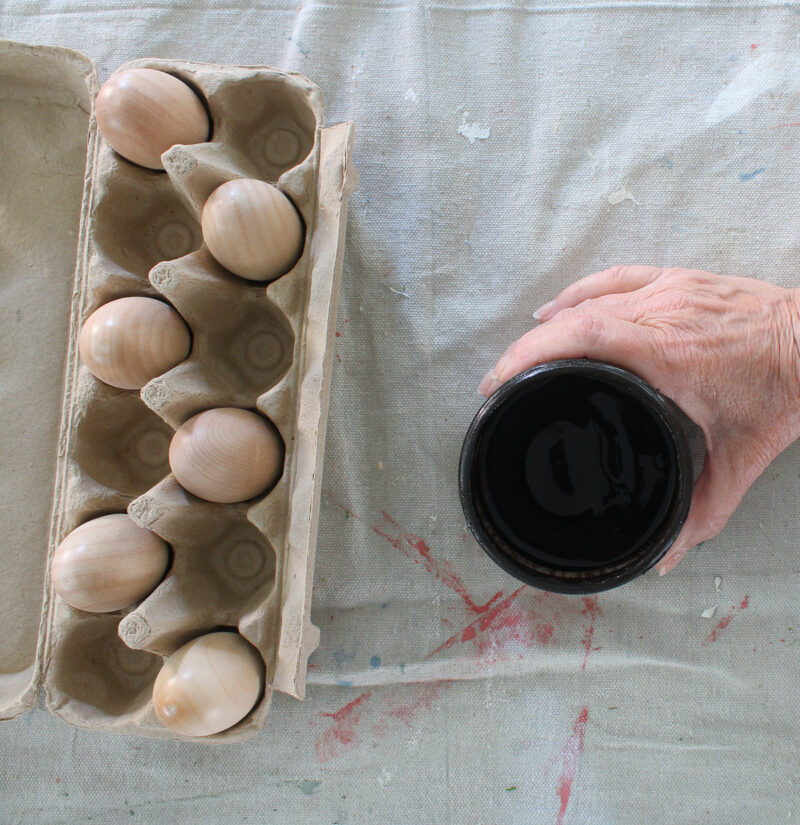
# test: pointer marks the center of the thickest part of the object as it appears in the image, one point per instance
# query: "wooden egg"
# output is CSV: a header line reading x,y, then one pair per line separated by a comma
x,y
108,563
142,112
209,684
130,341
252,229
226,455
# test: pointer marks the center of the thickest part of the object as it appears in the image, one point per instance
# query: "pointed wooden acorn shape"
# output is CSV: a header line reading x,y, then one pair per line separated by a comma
x,y
252,229
108,563
209,684
143,112
130,341
226,455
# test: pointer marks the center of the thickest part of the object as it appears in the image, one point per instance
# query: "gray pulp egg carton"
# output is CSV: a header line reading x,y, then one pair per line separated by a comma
x,y
75,448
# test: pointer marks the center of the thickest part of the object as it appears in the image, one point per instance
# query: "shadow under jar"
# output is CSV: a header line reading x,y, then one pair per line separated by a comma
x,y
576,476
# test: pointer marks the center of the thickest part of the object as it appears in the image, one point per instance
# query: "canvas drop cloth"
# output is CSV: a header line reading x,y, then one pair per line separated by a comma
x,y
504,150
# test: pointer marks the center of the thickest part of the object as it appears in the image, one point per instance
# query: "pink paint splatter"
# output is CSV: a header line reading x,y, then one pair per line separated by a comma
x,y
417,549
726,620
572,750
404,712
408,543
481,624
400,707
591,609
534,624
341,736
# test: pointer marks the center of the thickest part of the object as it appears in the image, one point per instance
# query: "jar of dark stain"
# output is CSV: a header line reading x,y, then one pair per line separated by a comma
x,y
576,476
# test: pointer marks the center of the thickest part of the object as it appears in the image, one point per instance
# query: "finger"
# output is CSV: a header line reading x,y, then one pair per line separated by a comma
x,y
574,334
717,494
612,281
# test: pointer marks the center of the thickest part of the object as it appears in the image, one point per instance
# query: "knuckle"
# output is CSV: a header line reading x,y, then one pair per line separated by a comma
x,y
618,274
678,301
584,325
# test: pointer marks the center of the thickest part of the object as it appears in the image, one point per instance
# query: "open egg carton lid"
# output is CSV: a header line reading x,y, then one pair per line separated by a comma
x,y
52,151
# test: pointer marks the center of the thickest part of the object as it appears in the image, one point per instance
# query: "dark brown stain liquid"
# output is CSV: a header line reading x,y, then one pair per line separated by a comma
x,y
575,473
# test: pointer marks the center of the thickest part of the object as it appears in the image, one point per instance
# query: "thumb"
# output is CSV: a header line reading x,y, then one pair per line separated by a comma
x,y
716,495
575,333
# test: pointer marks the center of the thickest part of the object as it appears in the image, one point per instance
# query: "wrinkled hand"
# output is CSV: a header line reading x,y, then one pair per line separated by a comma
x,y
726,350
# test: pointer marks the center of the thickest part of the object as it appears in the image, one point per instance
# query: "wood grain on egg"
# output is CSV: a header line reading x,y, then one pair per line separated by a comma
x,y
226,455
252,229
143,112
108,563
209,684
130,341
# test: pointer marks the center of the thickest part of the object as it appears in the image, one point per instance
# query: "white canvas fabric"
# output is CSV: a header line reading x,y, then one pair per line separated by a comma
x,y
504,150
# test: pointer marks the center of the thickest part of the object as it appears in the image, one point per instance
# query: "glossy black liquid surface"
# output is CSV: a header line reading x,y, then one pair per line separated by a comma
x,y
576,473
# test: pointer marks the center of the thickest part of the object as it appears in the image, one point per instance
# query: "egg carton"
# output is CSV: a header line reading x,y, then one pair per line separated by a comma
x,y
234,566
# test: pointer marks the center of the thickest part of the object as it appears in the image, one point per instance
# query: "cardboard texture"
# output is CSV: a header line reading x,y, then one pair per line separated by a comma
x,y
245,566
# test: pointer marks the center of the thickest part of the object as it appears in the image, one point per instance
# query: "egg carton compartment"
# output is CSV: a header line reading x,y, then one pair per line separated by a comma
x,y
243,566
94,677
119,443
139,217
96,680
242,342
223,572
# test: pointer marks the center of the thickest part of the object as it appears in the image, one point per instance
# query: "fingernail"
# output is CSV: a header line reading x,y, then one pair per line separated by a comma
x,y
544,311
488,385
492,380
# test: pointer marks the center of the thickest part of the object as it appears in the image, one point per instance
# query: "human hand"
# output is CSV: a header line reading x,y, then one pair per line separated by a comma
x,y
725,350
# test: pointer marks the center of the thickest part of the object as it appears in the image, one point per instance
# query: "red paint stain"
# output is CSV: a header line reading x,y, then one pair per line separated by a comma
x,y
725,621
341,736
338,358
572,750
506,622
406,711
338,334
535,624
481,624
468,633
753,46
402,712
417,549
591,609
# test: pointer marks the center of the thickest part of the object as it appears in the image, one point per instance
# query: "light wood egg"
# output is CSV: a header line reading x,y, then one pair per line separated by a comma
x,y
108,563
252,229
143,112
226,455
209,684
130,341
